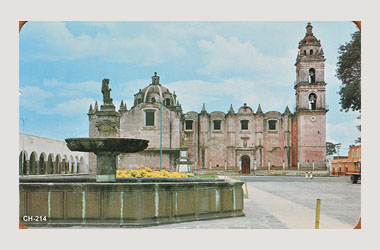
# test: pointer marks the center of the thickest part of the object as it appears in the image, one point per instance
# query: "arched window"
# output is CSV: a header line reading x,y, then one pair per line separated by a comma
x,y
311,52
304,52
311,75
312,101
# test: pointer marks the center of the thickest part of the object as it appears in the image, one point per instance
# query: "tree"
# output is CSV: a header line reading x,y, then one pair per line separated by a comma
x,y
330,148
359,139
349,72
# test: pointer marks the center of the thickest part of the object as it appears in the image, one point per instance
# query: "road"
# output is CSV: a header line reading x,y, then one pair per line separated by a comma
x,y
290,202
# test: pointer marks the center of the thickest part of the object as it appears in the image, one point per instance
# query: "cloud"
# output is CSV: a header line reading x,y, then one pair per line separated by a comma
x,y
73,107
193,93
232,57
236,91
59,43
343,132
330,72
59,98
185,31
74,89
32,97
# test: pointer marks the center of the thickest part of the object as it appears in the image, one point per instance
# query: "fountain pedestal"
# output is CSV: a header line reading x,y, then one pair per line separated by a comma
x,y
106,163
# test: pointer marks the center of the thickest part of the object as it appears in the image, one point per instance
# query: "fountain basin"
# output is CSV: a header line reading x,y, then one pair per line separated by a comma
x,y
130,202
109,144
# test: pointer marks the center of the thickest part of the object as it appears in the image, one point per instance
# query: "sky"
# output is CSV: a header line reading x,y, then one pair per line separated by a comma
x,y
62,64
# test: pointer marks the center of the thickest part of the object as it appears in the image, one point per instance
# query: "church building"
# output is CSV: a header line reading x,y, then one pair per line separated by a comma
x,y
245,140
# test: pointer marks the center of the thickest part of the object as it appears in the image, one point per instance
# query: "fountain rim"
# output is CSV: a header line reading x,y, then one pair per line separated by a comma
x,y
104,138
143,144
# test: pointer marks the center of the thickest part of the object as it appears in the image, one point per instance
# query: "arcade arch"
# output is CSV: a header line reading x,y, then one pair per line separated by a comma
x,y
23,159
50,165
33,163
42,163
57,164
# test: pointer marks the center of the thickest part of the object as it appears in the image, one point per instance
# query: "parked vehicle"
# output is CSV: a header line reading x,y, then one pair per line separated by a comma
x,y
355,177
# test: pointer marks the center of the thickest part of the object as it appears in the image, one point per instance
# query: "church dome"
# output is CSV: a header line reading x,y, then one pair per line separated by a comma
x,y
155,91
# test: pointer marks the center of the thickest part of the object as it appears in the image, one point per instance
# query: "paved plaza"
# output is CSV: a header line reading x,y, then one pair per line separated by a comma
x,y
281,202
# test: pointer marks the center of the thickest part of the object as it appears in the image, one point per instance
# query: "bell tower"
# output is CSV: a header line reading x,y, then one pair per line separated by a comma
x,y
309,145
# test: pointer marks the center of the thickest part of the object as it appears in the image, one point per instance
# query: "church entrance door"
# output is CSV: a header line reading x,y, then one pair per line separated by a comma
x,y
245,164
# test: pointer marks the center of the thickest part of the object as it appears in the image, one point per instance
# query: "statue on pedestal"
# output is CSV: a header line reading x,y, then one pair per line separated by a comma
x,y
106,91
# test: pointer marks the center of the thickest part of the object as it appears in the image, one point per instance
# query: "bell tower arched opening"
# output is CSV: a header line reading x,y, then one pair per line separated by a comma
x,y
312,101
311,74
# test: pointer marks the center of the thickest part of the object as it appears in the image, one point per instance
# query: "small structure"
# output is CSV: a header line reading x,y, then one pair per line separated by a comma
x,y
183,164
347,165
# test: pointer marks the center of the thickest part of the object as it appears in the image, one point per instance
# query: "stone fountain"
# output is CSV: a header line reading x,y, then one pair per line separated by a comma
x,y
106,150
108,146
107,201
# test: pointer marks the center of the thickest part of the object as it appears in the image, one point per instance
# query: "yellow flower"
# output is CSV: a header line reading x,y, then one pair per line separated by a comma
x,y
143,171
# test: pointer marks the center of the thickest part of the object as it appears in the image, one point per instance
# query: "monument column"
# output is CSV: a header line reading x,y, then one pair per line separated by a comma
x,y
108,125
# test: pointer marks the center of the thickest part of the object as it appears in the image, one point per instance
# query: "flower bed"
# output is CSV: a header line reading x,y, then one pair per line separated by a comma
x,y
143,171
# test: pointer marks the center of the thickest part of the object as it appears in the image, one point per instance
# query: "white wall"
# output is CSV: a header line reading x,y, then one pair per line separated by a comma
x,y
31,143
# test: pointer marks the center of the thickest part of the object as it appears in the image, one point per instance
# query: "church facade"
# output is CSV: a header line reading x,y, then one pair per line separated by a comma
x,y
244,140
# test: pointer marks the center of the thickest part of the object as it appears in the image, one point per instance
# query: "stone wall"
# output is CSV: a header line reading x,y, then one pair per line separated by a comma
x,y
129,204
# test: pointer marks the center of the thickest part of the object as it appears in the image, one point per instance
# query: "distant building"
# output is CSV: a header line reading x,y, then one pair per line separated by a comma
x,y
244,140
43,156
346,165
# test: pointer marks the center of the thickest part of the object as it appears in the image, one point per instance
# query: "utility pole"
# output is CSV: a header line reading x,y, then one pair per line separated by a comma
x,y
160,102
160,134
23,153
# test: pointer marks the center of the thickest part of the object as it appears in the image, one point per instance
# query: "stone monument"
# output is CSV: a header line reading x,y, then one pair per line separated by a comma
x,y
108,145
183,164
